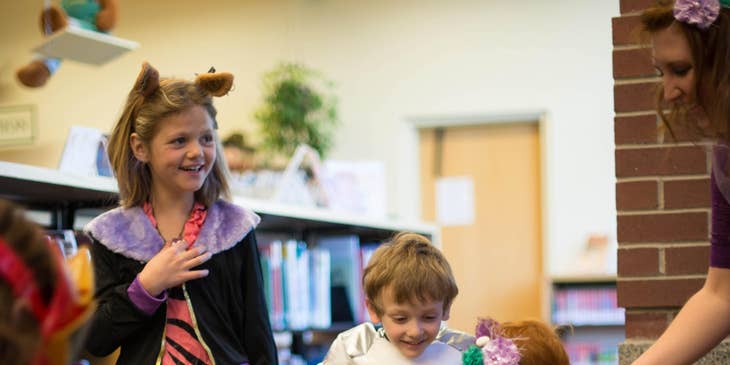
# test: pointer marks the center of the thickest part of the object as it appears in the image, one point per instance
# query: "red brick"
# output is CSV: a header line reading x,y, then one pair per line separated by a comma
x,y
637,195
681,133
626,30
660,161
636,129
646,325
632,63
638,262
630,6
670,227
683,194
634,97
666,293
687,260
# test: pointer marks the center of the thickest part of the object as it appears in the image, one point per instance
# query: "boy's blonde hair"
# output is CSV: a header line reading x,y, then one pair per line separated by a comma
x,y
413,268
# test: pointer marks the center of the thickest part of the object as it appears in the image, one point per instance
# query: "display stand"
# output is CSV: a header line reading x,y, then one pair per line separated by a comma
x,y
85,46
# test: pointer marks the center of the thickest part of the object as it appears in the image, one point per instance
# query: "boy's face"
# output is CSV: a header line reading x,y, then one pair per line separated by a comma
x,y
411,327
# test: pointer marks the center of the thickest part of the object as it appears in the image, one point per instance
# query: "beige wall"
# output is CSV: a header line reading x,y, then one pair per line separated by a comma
x,y
235,36
393,61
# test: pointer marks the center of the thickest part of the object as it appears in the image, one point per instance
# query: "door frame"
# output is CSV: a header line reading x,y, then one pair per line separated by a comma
x,y
415,123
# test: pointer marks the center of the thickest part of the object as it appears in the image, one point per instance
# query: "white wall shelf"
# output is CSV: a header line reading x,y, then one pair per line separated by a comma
x,y
51,189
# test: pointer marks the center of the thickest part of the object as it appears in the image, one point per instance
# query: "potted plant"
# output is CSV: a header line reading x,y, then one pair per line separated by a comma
x,y
297,109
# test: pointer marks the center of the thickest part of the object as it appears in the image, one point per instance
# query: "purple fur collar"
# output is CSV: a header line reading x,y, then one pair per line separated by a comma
x,y
130,233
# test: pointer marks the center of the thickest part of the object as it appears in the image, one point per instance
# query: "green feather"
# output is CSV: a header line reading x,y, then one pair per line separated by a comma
x,y
473,356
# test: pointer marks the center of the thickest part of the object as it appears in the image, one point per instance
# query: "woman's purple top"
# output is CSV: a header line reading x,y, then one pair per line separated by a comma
x,y
720,240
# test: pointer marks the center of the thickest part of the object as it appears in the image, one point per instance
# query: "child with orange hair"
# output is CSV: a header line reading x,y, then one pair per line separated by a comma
x,y
526,342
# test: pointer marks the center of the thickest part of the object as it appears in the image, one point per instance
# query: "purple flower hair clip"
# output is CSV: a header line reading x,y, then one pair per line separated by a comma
x,y
491,347
700,13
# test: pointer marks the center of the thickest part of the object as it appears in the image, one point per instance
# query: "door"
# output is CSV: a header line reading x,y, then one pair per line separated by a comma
x,y
497,259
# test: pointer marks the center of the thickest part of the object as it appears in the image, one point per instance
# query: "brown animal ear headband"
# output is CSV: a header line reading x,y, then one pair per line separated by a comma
x,y
148,80
216,84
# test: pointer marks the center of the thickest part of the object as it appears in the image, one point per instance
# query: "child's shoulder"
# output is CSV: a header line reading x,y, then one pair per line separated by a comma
x,y
226,224
455,338
222,211
121,229
363,330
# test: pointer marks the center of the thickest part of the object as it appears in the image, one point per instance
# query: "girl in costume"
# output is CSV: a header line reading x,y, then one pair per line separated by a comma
x,y
691,44
43,304
178,273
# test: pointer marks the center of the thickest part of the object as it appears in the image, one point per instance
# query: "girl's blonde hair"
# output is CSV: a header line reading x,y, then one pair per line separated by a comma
x,y
151,100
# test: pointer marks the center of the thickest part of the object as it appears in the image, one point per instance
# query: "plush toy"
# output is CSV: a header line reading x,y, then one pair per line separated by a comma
x,y
97,15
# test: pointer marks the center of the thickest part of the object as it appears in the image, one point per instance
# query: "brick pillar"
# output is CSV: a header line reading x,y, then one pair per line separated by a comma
x,y
662,197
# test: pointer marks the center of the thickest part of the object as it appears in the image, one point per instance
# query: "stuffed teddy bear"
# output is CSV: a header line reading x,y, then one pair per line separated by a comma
x,y
97,15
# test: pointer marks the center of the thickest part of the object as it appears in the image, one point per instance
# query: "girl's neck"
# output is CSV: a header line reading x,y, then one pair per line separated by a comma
x,y
163,200
171,213
171,207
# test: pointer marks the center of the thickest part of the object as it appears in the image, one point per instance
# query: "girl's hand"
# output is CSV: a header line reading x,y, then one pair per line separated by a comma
x,y
171,267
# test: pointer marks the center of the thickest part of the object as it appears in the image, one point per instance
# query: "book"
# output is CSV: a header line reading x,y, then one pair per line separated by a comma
x,y
345,273
296,284
320,298
85,152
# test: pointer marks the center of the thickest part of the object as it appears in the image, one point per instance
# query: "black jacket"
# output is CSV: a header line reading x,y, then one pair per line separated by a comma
x,y
228,304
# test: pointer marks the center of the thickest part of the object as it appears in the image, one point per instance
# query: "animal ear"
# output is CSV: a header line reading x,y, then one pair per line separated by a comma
x,y
216,84
148,80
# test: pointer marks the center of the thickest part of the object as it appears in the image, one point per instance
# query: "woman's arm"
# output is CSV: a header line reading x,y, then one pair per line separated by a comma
x,y
701,324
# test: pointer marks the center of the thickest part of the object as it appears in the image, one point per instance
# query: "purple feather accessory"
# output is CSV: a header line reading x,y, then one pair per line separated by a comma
x,y
496,349
700,13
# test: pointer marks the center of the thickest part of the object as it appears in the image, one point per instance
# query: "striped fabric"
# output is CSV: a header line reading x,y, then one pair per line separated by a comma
x,y
182,345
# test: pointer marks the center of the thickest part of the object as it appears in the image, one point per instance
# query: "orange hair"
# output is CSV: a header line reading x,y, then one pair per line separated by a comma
x,y
538,343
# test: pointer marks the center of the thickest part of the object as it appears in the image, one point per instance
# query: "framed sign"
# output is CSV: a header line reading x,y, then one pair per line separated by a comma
x,y
17,125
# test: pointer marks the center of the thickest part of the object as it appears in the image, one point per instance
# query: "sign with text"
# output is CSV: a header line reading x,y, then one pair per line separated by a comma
x,y
17,125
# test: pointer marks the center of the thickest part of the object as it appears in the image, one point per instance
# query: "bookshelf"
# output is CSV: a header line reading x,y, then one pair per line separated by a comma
x,y
586,305
50,189
70,200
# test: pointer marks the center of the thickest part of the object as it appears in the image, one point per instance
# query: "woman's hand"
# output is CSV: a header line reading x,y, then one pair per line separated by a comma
x,y
171,267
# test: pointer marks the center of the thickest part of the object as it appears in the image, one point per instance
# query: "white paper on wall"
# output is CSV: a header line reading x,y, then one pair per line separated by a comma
x,y
455,200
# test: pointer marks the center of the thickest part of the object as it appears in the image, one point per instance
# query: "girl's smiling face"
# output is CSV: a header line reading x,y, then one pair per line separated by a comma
x,y
181,153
